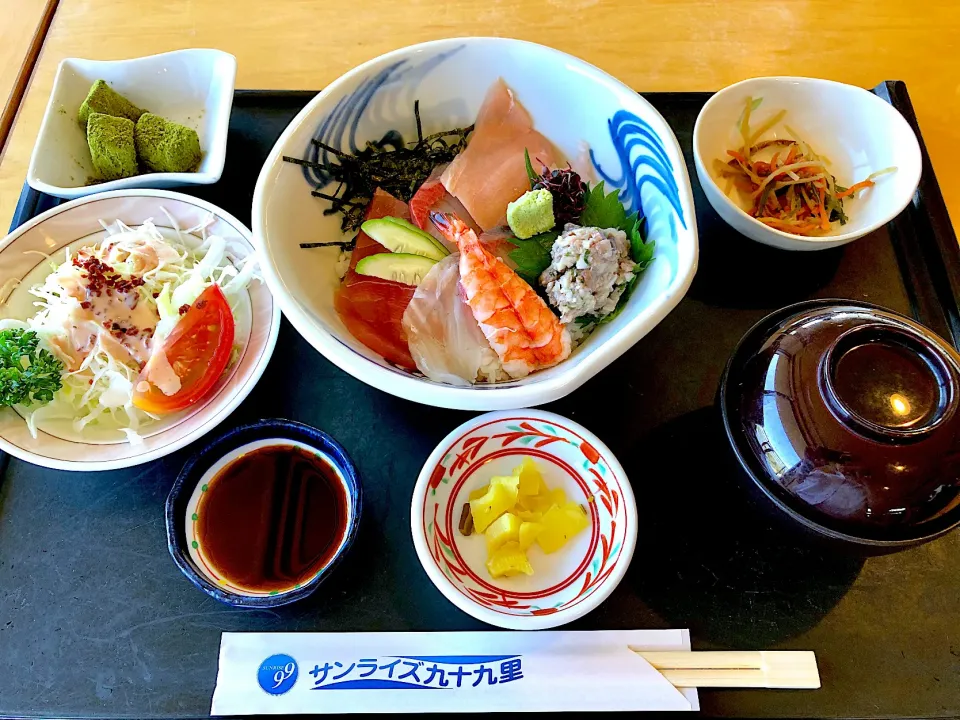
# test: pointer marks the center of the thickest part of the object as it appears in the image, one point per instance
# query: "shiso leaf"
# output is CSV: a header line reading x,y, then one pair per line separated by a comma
x,y
603,210
532,255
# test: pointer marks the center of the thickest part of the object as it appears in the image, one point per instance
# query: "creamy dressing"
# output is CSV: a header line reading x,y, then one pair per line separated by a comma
x,y
160,372
122,321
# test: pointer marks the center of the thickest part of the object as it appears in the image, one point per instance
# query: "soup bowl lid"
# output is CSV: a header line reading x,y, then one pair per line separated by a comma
x,y
845,414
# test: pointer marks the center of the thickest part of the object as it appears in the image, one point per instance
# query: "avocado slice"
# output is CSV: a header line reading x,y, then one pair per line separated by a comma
x,y
399,267
399,236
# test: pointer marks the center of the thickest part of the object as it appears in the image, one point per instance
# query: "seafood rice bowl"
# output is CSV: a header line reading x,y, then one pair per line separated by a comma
x,y
447,227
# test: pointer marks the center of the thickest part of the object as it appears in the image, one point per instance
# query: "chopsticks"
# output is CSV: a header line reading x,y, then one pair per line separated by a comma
x,y
737,669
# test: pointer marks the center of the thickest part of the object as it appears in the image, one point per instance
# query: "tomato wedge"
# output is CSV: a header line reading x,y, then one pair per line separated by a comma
x,y
198,349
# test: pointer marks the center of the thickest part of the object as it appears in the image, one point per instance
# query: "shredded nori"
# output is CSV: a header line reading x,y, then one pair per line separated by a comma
x,y
343,245
390,164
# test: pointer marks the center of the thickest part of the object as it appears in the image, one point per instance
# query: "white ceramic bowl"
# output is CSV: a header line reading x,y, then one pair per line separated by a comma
x,y
78,222
191,87
566,584
571,103
856,130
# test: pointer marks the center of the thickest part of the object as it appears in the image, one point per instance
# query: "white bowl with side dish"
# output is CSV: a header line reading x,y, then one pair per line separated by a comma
x,y
855,129
566,584
190,87
571,103
77,224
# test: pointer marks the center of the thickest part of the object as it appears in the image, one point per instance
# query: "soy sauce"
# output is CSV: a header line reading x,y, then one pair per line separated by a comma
x,y
272,518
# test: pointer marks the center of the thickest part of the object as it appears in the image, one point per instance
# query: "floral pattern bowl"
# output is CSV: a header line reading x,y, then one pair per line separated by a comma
x,y
566,584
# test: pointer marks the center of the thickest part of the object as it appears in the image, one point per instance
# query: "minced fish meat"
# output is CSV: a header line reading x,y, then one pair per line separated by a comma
x,y
589,271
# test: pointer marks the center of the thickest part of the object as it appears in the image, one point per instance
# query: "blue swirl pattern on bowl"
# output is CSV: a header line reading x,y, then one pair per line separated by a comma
x,y
646,182
339,128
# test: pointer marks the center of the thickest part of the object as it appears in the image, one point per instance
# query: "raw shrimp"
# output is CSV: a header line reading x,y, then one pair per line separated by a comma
x,y
515,320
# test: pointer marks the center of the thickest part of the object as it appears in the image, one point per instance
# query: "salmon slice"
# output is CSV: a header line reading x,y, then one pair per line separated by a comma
x,y
371,308
491,172
433,197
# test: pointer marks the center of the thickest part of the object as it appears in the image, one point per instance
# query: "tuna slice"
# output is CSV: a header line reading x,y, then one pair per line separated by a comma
x,y
491,172
371,308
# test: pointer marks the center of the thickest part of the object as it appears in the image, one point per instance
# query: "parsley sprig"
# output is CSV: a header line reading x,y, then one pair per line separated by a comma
x,y
28,374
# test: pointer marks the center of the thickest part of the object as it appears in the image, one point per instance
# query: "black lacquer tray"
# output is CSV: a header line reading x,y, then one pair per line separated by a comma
x,y
96,620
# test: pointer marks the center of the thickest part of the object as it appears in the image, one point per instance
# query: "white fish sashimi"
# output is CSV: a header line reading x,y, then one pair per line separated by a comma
x,y
445,340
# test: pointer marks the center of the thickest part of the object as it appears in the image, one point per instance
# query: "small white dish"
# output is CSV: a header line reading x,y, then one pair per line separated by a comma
x,y
856,130
22,256
574,104
566,584
190,87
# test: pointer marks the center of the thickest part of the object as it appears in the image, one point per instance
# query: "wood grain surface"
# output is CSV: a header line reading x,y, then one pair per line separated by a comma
x,y
650,45
22,32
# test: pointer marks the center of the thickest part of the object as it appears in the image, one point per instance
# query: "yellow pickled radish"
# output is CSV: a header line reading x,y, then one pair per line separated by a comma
x,y
530,478
528,533
509,560
558,496
515,512
504,529
494,503
512,482
560,524
479,492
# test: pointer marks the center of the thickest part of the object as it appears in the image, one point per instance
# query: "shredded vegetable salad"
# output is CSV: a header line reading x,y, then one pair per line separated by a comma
x,y
792,189
105,309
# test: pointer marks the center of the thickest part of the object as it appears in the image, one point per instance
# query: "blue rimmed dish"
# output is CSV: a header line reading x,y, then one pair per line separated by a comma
x,y
185,504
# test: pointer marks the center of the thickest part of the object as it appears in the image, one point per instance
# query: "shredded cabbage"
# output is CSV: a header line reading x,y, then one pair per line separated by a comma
x,y
102,371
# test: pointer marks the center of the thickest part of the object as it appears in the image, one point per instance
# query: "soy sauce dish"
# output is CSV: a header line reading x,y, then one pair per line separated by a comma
x,y
261,516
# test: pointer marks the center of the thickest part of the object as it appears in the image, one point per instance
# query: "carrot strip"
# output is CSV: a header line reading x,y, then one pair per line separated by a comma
x,y
800,229
738,156
855,187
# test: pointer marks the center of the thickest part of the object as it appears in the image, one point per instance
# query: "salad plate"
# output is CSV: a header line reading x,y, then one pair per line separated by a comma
x,y
97,413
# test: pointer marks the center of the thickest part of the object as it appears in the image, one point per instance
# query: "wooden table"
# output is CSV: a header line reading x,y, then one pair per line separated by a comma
x,y
650,45
21,19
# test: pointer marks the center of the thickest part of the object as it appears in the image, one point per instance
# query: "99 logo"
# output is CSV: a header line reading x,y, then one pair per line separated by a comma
x,y
277,674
